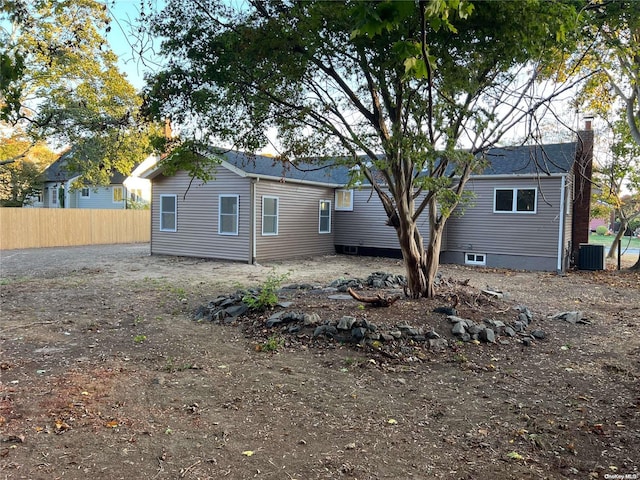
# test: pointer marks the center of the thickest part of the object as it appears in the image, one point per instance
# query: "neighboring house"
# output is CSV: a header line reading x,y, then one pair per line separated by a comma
x,y
522,215
57,190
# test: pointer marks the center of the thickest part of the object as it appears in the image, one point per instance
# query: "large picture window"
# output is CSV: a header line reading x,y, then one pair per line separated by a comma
x,y
325,217
228,214
168,213
344,200
515,200
269,215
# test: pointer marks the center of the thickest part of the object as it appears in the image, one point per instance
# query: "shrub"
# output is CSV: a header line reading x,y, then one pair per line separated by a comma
x,y
601,230
267,295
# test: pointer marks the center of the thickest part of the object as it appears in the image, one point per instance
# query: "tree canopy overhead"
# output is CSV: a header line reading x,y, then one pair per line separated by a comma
x,y
421,88
60,83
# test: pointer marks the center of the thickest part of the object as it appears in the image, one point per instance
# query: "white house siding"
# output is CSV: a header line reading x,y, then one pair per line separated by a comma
x,y
197,217
509,240
366,226
298,221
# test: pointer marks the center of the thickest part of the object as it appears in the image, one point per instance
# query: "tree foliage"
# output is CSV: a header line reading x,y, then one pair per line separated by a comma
x,y
21,180
60,84
409,93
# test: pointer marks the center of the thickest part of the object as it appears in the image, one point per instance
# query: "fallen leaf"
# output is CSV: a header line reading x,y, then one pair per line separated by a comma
x,y
247,453
392,421
111,424
515,456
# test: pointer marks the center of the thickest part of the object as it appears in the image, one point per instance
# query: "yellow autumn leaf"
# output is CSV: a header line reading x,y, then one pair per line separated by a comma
x,y
247,453
112,424
515,456
392,421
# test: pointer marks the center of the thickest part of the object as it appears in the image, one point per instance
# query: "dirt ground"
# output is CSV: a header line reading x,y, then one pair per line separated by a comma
x,y
104,374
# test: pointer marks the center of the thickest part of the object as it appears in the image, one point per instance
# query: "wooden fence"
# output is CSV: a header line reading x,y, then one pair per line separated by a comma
x,y
52,227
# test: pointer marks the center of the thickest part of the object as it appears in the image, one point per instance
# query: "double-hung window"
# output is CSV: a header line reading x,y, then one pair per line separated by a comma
x,y
344,200
118,195
515,200
324,223
228,214
168,213
269,215
84,193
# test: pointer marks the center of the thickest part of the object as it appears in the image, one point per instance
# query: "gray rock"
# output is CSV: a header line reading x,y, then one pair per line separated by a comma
x,y
373,335
237,310
320,330
493,293
339,296
438,344
488,335
346,323
510,332
358,333
454,319
571,317
285,304
395,333
458,328
465,337
526,341
432,335
526,312
446,310
475,329
369,325
294,328
538,334
387,337
519,326
523,318
310,319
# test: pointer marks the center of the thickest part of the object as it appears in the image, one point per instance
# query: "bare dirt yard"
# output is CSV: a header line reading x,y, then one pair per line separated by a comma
x,y
105,373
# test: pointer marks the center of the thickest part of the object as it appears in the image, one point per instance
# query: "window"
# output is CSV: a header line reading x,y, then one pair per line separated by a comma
x,y
168,213
325,217
135,194
515,200
84,193
228,215
54,195
117,194
269,215
475,259
344,200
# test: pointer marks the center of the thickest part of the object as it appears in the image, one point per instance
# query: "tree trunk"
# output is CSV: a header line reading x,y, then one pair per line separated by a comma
x,y
637,264
614,246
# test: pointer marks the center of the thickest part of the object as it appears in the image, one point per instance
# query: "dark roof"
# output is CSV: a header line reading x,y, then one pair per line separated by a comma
x,y
531,159
302,171
57,172
521,160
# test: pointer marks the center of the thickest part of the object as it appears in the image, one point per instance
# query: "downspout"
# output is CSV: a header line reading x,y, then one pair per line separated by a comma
x,y
560,266
253,223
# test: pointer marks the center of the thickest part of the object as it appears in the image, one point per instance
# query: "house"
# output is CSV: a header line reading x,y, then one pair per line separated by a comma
x,y
523,213
57,191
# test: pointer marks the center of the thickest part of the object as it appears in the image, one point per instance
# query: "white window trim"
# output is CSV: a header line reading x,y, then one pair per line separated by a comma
x,y
514,204
113,194
82,195
348,208
469,261
53,199
320,216
175,202
277,199
220,197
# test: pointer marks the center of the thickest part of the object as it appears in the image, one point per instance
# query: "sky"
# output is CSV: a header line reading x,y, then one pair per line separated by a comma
x,y
122,40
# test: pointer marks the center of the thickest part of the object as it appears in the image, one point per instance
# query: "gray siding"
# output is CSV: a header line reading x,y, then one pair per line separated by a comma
x,y
197,217
366,225
298,212
508,239
101,197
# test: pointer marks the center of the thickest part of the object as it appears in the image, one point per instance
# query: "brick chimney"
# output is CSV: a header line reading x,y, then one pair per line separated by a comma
x,y
582,174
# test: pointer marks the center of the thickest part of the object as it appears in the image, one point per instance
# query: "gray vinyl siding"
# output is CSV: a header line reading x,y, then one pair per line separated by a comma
x,y
366,225
197,217
298,221
513,240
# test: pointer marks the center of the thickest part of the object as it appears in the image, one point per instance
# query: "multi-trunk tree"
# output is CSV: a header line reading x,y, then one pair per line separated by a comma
x,y
60,84
409,94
